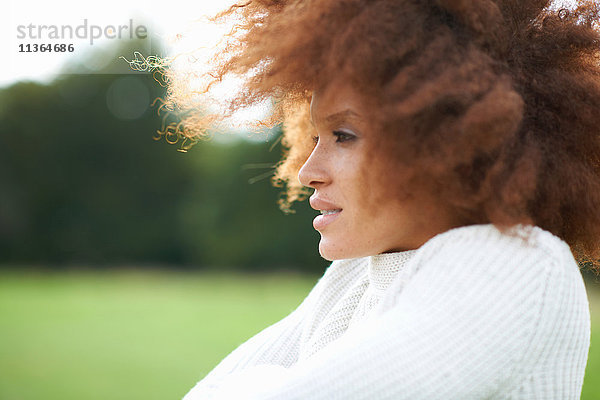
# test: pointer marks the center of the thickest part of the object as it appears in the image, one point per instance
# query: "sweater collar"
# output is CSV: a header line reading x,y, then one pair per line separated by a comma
x,y
384,267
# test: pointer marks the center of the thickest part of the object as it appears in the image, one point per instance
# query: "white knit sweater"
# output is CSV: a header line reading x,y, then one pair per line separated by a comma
x,y
472,314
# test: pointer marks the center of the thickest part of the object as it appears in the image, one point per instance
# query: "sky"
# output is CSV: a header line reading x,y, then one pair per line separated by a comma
x,y
163,21
174,24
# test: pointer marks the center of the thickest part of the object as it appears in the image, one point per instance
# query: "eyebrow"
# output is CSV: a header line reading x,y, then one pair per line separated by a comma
x,y
347,113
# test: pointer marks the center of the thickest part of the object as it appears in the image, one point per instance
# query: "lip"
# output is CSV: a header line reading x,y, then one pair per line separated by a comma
x,y
321,221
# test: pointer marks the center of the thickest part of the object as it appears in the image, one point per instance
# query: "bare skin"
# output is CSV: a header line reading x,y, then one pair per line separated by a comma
x,y
347,183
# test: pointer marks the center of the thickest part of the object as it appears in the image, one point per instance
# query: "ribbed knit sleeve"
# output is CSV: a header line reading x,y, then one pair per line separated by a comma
x,y
476,315
278,345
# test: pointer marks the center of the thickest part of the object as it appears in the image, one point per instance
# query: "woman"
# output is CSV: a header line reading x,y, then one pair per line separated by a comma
x,y
452,148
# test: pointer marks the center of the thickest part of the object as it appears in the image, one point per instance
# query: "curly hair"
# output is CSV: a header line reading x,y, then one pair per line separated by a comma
x,y
494,103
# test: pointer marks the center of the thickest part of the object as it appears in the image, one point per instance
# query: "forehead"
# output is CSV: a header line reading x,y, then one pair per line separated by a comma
x,y
336,100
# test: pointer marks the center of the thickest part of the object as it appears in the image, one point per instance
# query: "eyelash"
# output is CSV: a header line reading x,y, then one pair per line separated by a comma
x,y
338,135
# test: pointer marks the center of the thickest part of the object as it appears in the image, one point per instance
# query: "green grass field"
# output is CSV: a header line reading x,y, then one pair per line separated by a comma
x,y
147,335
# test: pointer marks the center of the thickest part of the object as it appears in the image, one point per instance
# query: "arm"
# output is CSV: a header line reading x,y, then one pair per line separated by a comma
x,y
460,328
276,345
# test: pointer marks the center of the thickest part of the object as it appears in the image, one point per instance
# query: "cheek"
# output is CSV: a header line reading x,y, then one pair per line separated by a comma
x,y
383,195
373,189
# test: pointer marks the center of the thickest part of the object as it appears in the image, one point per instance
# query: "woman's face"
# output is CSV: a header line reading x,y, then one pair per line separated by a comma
x,y
360,214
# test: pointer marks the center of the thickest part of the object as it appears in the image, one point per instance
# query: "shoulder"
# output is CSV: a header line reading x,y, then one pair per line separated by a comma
x,y
487,247
524,237
526,275
485,260
524,266
526,281
512,301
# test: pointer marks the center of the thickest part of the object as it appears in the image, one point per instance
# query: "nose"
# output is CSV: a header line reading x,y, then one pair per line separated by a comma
x,y
314,172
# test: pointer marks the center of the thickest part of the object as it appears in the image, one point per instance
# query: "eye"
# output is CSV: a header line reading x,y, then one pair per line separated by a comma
x,y
342,136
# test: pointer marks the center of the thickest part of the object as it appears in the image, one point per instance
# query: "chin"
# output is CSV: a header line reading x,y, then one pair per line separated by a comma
x,y
331,251
326,251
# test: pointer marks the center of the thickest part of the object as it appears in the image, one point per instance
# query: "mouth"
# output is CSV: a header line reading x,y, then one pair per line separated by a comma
x,y
326,218
329,212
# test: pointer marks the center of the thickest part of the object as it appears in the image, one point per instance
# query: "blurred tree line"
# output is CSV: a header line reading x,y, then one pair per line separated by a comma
x,y
83,182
